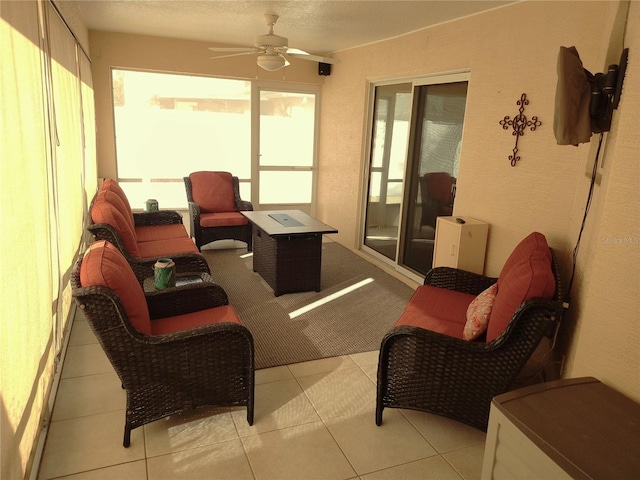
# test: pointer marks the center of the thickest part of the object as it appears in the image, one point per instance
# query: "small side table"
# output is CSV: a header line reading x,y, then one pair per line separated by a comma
x,y
182,280
193,292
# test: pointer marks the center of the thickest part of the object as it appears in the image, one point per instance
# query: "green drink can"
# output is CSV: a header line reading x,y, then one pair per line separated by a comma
x,y
164,273
151,205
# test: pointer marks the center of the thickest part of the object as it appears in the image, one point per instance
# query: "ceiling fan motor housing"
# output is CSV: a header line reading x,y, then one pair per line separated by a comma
x,y
271,40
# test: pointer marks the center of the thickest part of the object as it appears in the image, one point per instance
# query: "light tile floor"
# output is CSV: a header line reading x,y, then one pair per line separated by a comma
x,y
313,420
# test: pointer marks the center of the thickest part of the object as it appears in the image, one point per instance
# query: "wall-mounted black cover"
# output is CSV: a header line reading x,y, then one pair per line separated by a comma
x,y
585,102
571,121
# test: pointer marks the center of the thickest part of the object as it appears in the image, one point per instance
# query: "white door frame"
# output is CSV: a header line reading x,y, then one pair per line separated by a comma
x,y
257,87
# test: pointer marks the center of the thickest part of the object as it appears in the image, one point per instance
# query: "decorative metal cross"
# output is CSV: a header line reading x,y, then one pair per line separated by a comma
x,y
519,123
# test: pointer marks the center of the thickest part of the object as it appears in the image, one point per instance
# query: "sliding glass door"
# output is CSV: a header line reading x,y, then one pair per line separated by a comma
x,y
416,134
434,153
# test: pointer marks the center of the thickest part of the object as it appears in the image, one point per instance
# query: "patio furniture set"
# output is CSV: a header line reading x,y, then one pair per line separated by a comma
x,y
462,339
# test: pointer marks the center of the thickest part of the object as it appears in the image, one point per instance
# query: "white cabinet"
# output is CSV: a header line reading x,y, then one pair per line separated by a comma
x,y
461,243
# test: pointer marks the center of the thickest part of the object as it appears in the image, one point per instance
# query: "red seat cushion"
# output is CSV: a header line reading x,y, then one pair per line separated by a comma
x,y
166,247
437,309
105,210
104,265
211,316
213,191
526,274
226,219
160,232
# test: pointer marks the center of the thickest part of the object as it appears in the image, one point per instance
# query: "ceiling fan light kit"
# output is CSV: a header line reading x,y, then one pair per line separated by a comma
x,y
272,50
271,62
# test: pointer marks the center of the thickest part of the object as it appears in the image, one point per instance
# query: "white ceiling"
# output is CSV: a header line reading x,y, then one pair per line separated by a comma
x,y
316,26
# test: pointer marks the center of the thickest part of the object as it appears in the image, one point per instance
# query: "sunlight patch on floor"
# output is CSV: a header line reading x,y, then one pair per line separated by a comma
x,y
329,298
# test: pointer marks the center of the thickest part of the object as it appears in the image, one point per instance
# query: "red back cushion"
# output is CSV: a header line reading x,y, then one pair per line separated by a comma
x,y
104,265
105,210
112,186
124,209
213,191
439,186
526,274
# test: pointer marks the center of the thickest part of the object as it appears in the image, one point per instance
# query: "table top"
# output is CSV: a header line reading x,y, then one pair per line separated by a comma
x,y
286,222
586,427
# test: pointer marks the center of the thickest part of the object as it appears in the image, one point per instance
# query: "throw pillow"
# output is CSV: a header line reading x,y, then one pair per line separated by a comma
x,y
479,312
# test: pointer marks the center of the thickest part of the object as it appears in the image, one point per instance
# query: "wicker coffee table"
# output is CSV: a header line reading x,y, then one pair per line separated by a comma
x,y
287,249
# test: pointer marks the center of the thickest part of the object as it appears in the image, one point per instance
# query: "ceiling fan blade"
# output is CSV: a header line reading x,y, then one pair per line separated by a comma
x,y
235,49
298,51
232,55
315,58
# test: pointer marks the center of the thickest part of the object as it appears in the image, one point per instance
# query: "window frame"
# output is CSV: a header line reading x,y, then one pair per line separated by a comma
x,y
249,187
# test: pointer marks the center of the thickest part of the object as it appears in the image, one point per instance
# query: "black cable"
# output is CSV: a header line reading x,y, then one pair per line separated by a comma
x,y
594,174
540,371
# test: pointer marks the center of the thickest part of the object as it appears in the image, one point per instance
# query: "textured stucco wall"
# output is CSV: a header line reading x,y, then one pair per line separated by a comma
x,y
606,317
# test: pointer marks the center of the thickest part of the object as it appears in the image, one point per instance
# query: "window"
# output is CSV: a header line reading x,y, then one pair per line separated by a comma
x,y
170,125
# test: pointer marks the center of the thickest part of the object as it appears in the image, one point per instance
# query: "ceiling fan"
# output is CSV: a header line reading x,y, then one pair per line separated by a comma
x,y
273,50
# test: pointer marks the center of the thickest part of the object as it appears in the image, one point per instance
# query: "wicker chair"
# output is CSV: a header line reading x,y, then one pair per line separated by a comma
x,y
177,349
214,208
432,372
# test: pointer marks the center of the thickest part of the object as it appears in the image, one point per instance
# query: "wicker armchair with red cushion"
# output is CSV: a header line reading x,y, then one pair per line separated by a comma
x,y
142,237
174,350
214,208
463,338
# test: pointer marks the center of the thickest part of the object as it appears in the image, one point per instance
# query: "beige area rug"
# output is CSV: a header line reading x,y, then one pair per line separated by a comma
x,y
284,333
